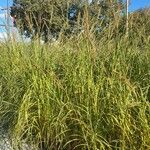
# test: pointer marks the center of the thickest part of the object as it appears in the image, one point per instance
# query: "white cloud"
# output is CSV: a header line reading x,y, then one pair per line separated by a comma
x,y
13,34
3,35
2,15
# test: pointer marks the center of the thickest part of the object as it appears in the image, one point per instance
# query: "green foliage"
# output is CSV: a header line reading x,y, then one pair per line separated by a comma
x,y
81,94
35,18
49,18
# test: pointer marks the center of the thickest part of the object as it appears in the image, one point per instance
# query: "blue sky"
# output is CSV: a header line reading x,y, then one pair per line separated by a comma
x,y
136,4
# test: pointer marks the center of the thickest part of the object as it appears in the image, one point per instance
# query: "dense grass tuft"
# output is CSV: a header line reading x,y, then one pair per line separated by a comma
x,y
82,94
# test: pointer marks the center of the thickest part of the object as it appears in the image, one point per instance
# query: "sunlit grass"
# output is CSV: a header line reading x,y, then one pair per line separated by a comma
x,y
81,94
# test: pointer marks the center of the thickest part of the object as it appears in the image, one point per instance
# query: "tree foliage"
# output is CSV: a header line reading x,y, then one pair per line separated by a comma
x,y
49,18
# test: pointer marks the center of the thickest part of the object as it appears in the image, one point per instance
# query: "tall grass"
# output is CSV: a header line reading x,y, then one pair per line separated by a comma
x,y
83,94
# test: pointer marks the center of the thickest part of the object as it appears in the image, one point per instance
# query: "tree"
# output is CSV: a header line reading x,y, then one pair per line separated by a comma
x,y
40,18
48,18
140,23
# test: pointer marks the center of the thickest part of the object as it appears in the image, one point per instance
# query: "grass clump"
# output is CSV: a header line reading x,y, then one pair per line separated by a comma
x,y
82,94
